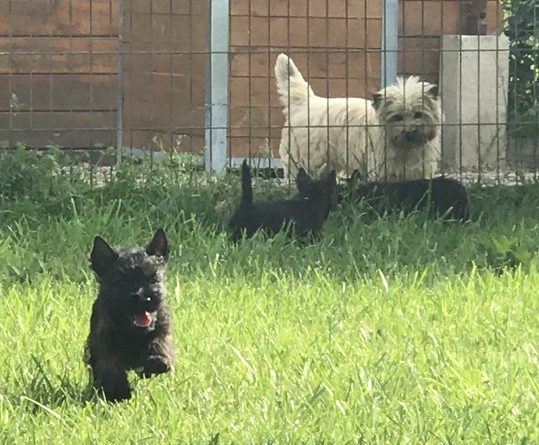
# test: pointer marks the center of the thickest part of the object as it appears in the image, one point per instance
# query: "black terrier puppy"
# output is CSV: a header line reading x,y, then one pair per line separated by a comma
x,y
442,196
306,213
130,323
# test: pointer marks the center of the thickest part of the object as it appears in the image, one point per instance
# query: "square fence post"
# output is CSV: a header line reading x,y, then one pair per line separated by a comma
x,y
390,41
120,93
216,132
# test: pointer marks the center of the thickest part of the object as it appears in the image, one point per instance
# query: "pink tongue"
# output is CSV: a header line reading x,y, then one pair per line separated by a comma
x,y
143,320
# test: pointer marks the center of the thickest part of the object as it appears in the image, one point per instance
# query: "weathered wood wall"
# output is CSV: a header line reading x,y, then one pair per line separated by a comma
x,y
164,73
58,72
60,80
422,22
337,47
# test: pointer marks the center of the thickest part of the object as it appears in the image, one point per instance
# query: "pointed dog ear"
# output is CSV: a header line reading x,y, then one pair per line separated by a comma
x,y
102,256
377,100
432,91
355,177
303,180
331,178
158,246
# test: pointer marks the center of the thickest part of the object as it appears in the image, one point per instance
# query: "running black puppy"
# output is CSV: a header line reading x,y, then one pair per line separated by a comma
x,y
442,196
130,322
307,213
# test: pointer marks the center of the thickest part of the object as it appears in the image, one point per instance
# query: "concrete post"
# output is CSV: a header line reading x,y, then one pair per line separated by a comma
x,y
474,75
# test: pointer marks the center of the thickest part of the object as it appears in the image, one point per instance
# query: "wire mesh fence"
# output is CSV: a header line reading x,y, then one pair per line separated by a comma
x,y
196,77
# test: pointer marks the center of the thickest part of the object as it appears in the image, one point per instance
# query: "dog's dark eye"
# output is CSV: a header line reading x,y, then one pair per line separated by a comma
x,y
418,115
396,118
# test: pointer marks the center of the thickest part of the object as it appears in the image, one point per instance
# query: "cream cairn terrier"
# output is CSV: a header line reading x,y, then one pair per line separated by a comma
x,y
396,136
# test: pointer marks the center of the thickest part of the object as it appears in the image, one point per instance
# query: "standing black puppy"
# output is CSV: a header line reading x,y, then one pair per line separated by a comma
x,y
307,212
442,196
130,323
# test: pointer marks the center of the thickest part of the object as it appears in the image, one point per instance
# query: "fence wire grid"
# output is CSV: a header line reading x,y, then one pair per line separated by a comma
x,y
197,77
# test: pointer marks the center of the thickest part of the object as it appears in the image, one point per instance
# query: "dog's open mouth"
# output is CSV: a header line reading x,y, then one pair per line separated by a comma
x,y
143,319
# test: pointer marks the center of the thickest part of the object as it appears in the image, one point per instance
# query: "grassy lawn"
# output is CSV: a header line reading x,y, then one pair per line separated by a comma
x,y
388,330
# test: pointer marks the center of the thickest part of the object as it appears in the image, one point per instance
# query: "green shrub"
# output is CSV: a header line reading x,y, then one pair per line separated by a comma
x,y
522,28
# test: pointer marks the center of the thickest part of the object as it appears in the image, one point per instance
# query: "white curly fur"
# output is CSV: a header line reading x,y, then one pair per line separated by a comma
x,y
355,133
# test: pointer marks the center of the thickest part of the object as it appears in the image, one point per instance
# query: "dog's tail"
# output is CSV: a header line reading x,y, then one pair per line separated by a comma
x,y
292,87
246,186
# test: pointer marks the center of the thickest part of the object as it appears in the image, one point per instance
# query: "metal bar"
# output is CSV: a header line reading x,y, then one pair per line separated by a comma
x,y
473,16
152,136
390,41
235,161
260,48
216,133
120,97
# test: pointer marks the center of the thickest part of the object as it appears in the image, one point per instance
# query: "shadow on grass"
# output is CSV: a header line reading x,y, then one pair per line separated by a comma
x,y
194,210
45,392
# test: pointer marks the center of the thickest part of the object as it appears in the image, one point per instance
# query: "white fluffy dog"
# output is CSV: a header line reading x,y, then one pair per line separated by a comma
x,y
395,136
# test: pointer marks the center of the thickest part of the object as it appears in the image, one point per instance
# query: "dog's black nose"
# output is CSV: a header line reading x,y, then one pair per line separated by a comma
x,y
410,136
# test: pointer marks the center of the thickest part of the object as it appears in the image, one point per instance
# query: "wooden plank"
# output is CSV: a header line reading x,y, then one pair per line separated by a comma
x,y
62,138
46,120
256,146
143,115
434,18
66,129
58,55
175,139
419,56
247,118
161,32
177,93
306,8
163,66
473,15
59,17
321,65
58,92
190,7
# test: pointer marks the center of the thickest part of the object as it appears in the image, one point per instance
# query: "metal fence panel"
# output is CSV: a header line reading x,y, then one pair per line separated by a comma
x,y
155,77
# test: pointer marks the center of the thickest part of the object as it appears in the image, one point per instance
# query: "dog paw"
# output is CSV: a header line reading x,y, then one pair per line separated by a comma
x,y
116,394
154,365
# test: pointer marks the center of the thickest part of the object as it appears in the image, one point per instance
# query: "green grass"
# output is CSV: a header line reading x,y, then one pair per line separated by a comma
x,y
388,330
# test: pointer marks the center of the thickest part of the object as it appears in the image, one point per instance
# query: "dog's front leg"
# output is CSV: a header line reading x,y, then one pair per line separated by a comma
x,y
110,378
160,357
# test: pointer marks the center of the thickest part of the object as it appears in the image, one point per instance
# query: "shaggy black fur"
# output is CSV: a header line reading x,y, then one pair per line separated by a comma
x,y
442,196
130,322
306,213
